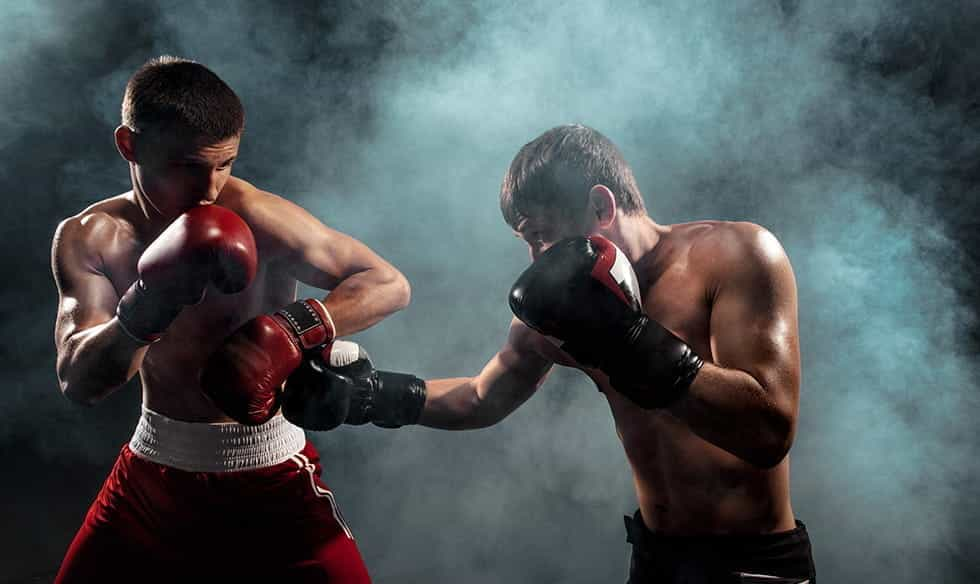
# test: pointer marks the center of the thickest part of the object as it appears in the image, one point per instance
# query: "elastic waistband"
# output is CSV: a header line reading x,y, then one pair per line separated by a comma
x,y
637,531
199,447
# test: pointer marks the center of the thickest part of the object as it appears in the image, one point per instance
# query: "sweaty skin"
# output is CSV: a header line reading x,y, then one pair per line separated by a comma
x,y
716,461
94,260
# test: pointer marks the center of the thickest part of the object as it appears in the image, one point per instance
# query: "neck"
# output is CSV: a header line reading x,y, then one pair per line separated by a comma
x,y
151,222
636,235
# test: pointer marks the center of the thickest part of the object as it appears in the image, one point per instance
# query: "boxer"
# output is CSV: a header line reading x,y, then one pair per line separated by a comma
x,y
690,333
190,280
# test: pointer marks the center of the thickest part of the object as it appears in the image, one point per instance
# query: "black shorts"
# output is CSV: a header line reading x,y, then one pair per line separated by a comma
x,y
772,558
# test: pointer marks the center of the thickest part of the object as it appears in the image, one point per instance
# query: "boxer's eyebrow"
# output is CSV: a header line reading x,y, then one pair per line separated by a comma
x,y
190,157
194,159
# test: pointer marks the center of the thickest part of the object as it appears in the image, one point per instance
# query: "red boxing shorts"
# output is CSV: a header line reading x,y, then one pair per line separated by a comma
x,y
214,502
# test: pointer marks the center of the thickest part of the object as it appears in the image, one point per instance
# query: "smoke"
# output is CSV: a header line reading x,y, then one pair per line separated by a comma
x,y
850,131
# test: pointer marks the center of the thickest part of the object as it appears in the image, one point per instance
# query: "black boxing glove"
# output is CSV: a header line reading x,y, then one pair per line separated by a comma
x,y
317,395
583,294
342,386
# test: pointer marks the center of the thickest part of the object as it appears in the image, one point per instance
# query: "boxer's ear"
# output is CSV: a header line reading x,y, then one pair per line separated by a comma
x,y
125,137
602,203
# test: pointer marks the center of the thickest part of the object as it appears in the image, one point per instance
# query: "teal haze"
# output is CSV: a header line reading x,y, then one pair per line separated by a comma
x,y
850,132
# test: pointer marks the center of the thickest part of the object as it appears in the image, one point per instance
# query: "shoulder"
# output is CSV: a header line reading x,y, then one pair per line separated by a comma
x,y
103,223
725,244
278,224
742,254
111,213
249,201
261,209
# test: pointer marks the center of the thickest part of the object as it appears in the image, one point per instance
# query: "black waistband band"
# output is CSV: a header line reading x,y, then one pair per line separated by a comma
x,y
637,532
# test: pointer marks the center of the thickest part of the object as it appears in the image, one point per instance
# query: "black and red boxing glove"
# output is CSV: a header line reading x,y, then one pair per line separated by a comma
x,y
244,377
583,292
206,245
341,386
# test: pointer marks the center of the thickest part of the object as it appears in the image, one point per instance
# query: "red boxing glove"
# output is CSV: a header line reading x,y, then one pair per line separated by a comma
x,y
244,377
208,244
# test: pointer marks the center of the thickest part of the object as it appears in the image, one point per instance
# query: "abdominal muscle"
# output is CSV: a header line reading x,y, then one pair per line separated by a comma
x,y
171,371
687,486
684,484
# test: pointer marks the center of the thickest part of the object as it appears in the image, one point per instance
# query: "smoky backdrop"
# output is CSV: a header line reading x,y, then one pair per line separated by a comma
x,y
850,130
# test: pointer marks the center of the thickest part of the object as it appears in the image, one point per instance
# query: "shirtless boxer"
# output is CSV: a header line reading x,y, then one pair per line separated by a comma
x,y
696,353
190,267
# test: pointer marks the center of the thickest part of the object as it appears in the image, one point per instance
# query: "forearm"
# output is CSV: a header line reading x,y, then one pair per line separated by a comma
x,y
365,298
733,411
455,404
97,361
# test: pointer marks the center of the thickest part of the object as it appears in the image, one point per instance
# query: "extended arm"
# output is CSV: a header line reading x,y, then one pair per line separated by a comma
x,y
505,382
342,386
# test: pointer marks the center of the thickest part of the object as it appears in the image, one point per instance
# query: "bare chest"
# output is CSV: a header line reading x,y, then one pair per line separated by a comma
x,y
178,358
679,300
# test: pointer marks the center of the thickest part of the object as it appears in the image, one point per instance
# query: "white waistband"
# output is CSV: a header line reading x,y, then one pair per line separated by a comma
x,y
200,447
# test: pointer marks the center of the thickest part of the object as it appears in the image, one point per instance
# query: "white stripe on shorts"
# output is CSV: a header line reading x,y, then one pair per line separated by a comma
x,y
305,464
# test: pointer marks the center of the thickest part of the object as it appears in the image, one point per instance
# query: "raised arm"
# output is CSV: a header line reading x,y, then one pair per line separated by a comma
x,y
245,375
364,288
99,336
746,401
94,356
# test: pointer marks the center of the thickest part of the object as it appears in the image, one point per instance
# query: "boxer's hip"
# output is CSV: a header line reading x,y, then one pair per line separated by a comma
x,y
177,481
221,447
774,558
184,495
173,474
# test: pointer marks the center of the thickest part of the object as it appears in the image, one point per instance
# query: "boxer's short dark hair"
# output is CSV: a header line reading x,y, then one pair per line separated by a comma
x,y
174,95
555,171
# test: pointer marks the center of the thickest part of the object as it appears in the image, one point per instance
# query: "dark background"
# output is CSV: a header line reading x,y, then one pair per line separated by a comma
x,y
848,129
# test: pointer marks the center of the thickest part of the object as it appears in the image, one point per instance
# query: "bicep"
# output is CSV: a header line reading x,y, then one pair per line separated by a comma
x,y
86,297
317,255
329,256
754,319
